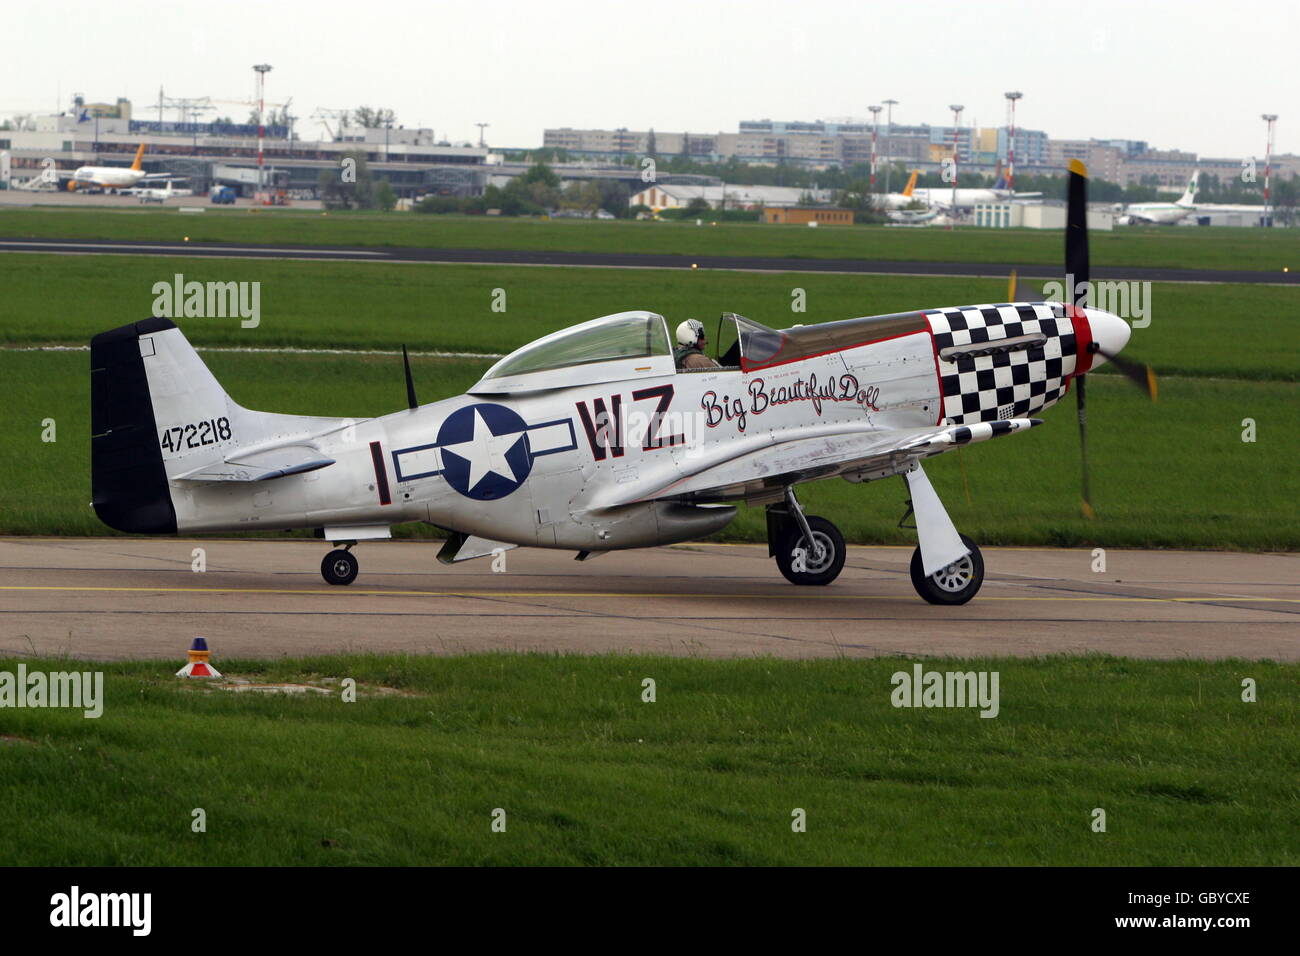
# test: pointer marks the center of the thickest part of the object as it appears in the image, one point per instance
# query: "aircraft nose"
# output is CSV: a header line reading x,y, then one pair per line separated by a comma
x,y
1109,331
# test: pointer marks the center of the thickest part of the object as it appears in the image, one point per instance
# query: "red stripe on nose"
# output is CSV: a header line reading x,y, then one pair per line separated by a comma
x,y
1082,339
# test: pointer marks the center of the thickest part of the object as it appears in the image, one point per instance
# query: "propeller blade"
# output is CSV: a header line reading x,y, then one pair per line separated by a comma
x,y
1077,267
1077,278
1140,374
1018,291
1080,396
410,382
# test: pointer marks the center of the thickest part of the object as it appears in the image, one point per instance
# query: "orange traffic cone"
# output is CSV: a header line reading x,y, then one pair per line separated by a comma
x,y
198,665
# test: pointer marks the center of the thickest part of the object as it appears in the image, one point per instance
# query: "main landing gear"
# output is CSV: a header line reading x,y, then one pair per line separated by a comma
x,y
808,550
340,566
956,583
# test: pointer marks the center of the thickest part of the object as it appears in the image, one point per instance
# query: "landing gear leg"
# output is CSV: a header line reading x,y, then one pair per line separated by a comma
x,y
340,566
947,567
808,549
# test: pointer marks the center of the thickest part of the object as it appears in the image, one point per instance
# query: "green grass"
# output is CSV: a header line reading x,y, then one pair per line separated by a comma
x,y
1174,474
1254,249
1238,331
587,773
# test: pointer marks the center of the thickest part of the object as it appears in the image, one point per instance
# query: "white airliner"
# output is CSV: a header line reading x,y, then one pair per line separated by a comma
x,y
111,177
946,199
1160,213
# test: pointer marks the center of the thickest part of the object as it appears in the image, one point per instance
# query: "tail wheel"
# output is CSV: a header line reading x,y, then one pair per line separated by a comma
x,y
339,567
818,563
955,584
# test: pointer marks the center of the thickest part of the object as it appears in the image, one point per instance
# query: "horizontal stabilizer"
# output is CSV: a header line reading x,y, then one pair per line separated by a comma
x,y
260,465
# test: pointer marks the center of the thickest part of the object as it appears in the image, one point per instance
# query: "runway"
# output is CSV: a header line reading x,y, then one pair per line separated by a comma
x,y
626,260
117,598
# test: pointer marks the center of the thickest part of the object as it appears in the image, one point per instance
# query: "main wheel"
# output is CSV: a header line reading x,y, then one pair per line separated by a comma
x,y
955,584
339,567
819,564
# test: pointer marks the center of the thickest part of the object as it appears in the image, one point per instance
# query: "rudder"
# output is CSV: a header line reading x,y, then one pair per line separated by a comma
x,y
129,489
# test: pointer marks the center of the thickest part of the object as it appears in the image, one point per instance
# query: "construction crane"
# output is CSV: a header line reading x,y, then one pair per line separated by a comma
x,y
271,107
188,108
323,115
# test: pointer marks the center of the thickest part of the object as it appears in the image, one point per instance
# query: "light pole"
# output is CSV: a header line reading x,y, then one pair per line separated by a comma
x,y
1270,119
956,125
875,125
889,138
481,127
262,69
1011,140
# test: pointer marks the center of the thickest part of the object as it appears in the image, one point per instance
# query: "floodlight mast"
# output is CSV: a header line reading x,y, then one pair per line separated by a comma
x,y
1270,119
875,125
1011,139
889,137
261,69
956,126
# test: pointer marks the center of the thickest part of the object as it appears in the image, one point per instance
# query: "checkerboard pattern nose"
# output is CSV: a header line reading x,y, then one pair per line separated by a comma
x,y
1010,384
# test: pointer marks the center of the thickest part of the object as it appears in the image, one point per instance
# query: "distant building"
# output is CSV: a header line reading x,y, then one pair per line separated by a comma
x,y
1103,160
672,196
823,143
805,215
818,144
226,154
1158,167
1035,215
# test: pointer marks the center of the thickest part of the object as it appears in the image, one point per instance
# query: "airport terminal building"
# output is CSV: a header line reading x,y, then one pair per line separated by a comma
x,y
220,154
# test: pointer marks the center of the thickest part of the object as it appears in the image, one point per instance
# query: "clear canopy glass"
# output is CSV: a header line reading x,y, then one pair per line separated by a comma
x,y
630,336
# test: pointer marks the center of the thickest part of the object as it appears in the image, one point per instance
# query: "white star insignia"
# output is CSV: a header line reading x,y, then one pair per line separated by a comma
x,y
486,453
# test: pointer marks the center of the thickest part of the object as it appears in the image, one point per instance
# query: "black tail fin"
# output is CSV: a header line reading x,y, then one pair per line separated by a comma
x,y
129,484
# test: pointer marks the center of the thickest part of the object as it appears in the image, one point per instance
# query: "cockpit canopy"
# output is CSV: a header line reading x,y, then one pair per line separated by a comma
x,y
626,345
632,345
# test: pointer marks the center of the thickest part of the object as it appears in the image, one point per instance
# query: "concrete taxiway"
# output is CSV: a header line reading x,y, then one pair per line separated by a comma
x,y
114,598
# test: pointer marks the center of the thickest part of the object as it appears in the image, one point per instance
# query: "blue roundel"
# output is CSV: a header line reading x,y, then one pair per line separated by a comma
x,y
484,451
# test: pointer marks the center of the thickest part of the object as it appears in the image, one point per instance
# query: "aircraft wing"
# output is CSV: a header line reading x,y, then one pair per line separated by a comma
x,y
851,453
259,465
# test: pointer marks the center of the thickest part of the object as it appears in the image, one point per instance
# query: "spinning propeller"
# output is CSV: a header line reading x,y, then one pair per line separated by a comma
x,y
1078,271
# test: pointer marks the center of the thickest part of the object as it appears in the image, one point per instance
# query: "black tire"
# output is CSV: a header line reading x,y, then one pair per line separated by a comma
x,y
816,570
955,584
339,567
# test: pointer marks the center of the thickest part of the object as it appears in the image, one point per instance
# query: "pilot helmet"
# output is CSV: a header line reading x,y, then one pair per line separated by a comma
x,y
690,332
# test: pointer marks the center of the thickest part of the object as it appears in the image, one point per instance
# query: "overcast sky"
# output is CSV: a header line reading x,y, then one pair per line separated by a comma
x,y
1192,75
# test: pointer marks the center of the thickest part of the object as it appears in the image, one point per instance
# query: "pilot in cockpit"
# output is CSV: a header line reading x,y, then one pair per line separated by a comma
x,y
690,346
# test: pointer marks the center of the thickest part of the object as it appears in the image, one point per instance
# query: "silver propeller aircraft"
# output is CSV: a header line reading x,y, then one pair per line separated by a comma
x,y
591,439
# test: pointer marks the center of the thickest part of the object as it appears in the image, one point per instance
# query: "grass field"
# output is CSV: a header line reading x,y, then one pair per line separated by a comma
x,y
1236,331
1175,474
710,773
1255,249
